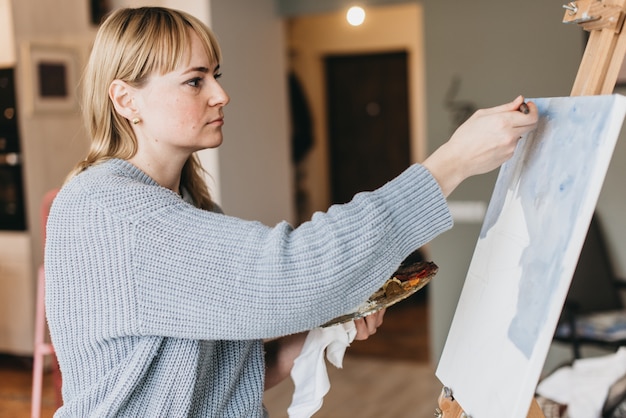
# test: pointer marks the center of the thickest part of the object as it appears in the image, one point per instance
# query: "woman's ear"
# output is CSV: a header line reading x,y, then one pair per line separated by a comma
x,y
121,94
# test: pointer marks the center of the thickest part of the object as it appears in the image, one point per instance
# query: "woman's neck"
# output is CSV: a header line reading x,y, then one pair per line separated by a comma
x,y
167,173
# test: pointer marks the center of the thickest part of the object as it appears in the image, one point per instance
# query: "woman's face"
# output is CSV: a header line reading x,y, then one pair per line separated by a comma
x,y
182,111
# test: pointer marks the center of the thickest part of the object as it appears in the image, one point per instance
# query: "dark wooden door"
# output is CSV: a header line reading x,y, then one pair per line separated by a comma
x,y
368,119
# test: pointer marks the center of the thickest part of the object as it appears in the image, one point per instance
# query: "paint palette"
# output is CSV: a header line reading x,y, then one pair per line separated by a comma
x,y
408,279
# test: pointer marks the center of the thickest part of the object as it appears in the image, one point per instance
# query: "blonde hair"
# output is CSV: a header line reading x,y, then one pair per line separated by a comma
x,y
131,45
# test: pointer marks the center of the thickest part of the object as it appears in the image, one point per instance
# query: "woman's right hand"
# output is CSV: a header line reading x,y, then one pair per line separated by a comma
x,y
481,144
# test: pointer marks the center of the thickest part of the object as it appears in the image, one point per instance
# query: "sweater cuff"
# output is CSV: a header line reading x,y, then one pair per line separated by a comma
x,y
418,206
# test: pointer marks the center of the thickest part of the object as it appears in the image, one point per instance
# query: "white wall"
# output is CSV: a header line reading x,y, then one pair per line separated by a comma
x,y
52,141
255,170
7,38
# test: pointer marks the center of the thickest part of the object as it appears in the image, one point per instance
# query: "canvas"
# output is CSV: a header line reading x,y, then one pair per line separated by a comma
x,y
526,255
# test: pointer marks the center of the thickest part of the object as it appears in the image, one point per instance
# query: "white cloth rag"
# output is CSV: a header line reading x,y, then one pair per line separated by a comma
x,y
584,386
309,373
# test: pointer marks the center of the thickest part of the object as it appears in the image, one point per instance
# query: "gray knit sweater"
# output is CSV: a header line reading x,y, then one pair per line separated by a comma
x,y
157,308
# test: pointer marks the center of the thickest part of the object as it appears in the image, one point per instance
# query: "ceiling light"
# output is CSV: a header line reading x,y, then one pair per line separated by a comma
x,y
355,15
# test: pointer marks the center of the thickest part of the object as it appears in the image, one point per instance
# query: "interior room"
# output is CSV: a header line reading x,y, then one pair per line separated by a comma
x,y
457,57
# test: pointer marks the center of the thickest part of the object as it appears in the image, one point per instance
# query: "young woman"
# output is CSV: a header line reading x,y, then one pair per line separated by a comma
x,y
159,304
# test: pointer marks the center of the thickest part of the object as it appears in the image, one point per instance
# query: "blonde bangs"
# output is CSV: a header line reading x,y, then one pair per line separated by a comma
x,y
162,44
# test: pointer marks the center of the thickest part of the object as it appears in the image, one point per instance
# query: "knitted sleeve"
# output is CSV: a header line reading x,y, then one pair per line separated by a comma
x,y
189,273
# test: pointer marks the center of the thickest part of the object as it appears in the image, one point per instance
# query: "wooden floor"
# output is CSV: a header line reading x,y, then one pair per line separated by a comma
x,y
389,375
369,388
16,389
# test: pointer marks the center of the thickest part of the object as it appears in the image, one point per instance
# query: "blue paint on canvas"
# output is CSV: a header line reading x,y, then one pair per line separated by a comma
x,y
570,129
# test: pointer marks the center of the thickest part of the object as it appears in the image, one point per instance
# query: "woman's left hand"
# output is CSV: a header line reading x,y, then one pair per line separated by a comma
x,y
368,325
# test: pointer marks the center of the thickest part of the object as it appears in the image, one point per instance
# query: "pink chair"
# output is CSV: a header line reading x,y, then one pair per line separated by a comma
x,y
42,345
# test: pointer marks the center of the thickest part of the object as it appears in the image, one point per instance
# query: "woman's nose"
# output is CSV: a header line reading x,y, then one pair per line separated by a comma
x,y
219,96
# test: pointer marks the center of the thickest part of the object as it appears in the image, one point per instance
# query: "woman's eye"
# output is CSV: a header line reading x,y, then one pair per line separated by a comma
x,y
195,82
217,76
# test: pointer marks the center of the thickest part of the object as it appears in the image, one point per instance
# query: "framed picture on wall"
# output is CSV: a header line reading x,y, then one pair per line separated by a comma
x,y
53,79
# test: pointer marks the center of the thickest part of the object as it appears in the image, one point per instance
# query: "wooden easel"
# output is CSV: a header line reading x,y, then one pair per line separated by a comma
x,y
597,74
604,54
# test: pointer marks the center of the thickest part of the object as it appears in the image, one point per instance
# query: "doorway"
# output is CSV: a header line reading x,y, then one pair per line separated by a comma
x,y
368,121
